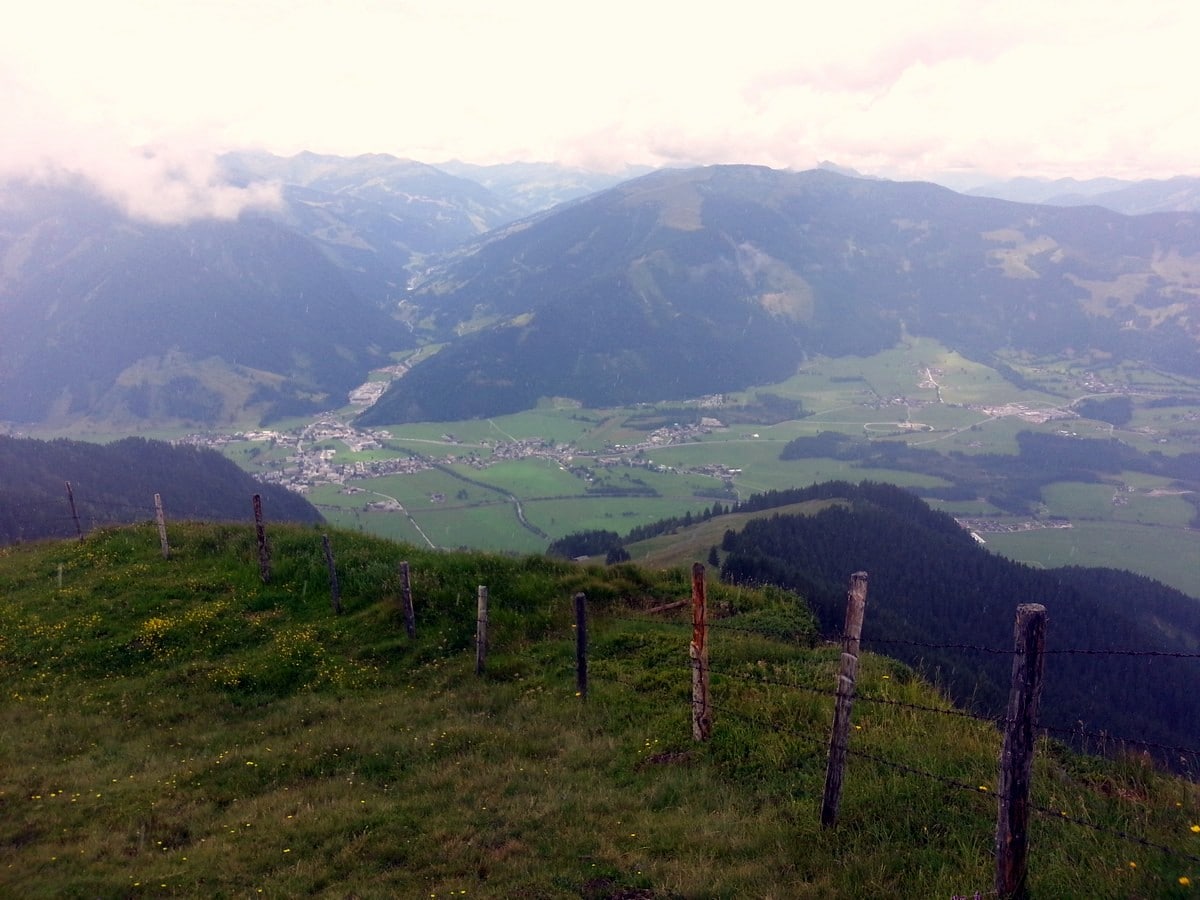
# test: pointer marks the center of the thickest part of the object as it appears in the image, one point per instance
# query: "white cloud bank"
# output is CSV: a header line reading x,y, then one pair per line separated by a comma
x,y
903,90
174,182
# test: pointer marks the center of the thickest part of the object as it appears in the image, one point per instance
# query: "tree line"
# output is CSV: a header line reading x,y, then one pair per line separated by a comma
x,y
116,483
931,583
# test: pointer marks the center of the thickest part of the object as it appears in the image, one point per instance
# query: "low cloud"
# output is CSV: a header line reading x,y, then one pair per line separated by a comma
x,y
167,182
169,186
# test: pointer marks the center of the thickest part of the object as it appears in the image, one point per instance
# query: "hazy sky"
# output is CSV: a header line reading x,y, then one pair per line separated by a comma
x,y
905,90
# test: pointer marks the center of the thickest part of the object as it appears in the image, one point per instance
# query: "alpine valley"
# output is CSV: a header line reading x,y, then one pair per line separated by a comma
x,y
979,399
534,351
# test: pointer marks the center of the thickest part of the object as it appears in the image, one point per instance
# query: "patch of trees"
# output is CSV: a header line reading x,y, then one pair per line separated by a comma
x,y
1010,482
1113,410
931,583
116,483
673,523
584,543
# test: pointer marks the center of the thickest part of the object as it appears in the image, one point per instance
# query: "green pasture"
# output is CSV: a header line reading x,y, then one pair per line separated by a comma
x,y
527,478
416,491
880,397
1170,555
493,525
620,514
1109,502
393,526
562,425
666,483
470,431
185,730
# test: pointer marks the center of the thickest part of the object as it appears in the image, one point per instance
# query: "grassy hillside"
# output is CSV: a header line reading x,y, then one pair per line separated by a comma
x,y
178,728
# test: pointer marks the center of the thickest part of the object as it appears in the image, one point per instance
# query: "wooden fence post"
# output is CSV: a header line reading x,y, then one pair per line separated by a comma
x,y
410,618
581,645
1016,756
701,713
264,549
856,606
481,630
161,520
74,513
335,590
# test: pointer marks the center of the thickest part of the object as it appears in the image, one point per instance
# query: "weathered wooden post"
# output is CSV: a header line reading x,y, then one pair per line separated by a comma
x,y
856,607
410,618
161,520
481,630
74,513
581,645
1016,756
264,549
701,713
335,590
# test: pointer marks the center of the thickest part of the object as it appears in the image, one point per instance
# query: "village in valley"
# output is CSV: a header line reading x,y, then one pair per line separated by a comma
x,y
314,462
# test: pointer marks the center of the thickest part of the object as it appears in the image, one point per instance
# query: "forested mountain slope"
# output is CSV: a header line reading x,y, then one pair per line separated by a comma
x,y
934,593
686,282
116,484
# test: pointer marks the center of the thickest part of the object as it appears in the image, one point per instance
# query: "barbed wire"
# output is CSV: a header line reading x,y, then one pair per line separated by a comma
x,y
1106,737
756,679
961,713
1077,651
934,646
982,789
1099,651
1063,816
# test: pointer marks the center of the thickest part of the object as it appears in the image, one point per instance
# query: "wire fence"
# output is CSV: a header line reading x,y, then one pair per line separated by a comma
x,y
1046,732
729,707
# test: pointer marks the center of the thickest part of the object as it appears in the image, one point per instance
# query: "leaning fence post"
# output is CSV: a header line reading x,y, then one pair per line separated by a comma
x,y
335,590
410,618
856,606
481,630
264,549
1016,757
161,520
701,712
581,645
74,513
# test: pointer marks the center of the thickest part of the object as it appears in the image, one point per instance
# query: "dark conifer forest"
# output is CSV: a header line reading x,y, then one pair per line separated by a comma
x,y
933,586
116,483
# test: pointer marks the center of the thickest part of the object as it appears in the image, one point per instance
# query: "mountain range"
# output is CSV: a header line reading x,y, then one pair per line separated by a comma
x,y
106,316
672,284
687,282
115,484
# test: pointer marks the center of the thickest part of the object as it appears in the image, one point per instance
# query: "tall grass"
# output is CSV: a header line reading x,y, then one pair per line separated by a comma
x,y
178,728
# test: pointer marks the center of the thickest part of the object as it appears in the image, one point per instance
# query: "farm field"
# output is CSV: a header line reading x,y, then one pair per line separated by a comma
x,y
577,469
1170,555
573,468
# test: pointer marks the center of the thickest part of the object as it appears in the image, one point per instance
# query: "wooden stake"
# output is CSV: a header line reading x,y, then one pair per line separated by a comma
x,y
581,645
481,630
264,549
162,526
74,514
410,619
856,607
698,651
1016,756
335,590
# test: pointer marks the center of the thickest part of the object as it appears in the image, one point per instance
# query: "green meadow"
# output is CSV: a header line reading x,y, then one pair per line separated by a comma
x,y
919,393
179,728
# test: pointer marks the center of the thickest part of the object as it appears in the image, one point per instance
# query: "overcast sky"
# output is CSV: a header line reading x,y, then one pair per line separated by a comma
x,y
903,90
